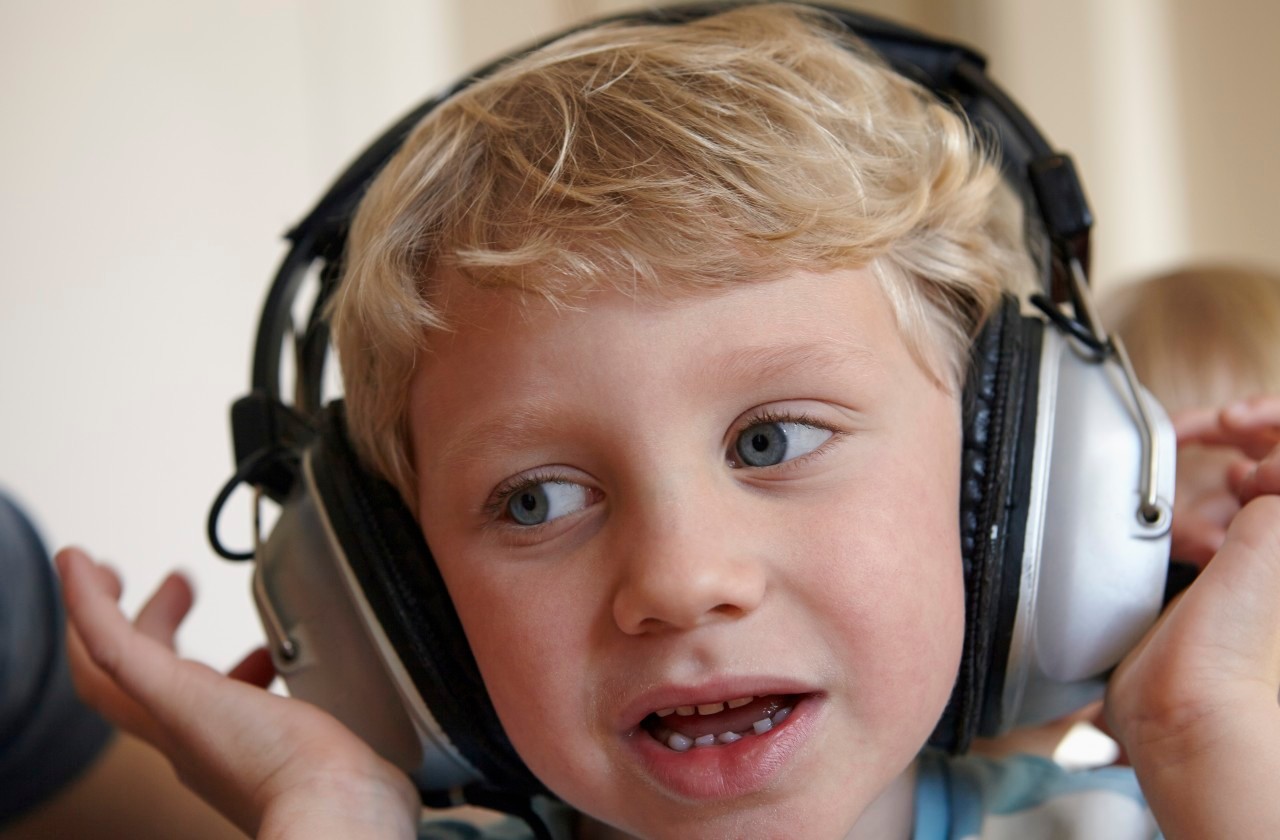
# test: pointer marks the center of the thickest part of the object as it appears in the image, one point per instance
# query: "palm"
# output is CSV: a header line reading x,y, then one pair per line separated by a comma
x,y
240,747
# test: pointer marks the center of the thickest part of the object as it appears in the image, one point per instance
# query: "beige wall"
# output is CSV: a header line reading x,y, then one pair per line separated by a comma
x,y
1225,71
1169,109
151,157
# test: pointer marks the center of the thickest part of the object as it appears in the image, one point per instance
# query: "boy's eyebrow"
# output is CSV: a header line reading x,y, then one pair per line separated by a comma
x,y
501,434
771,361
510,431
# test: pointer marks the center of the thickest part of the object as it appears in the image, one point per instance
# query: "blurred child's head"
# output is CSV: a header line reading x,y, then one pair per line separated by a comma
x,y
660,332
1201,335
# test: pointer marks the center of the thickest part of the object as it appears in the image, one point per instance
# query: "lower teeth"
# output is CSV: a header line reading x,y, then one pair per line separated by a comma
x,y
681,743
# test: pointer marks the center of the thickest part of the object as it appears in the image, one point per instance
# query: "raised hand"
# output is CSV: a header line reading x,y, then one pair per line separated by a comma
x,y
1195,705
1218,450
275,766
1251,426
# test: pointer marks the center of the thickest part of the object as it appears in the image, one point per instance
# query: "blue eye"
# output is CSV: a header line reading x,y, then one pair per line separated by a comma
x,y
541,502
770,443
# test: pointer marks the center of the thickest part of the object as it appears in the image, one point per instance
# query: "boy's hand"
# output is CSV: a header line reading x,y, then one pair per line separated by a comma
x,y
276,767
1196,704
1217,450
1252,426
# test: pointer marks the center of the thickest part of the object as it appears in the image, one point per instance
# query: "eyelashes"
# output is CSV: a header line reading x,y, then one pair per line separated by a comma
x,y
499,501
775,438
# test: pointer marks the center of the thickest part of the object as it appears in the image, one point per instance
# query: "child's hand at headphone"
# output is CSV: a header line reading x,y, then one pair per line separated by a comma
x,y
1251,426
1196,704
1217,451
275,766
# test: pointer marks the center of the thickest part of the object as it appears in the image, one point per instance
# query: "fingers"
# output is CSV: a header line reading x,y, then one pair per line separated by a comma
x,y
106,577
1217,643
1194,423
83,578
130,659
111,641
1252,426
131,676
164,611
239,747
1254,411
1261,480
1221,634
90,591
1248,570
256,669
1237,473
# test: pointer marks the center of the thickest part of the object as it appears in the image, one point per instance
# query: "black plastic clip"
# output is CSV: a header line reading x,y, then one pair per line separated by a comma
x,y
269,438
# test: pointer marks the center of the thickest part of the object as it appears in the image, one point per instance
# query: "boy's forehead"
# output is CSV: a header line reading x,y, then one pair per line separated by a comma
x,y
513,361
766,324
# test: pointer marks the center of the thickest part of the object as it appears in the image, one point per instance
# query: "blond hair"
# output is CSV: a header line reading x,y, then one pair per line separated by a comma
x,y
1201,335
658,160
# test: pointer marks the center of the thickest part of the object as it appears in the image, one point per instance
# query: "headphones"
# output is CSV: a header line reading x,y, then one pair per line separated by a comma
x,y
1066,487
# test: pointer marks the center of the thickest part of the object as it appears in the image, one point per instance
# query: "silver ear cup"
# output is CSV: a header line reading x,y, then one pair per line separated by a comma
x,y
331,650
1093,570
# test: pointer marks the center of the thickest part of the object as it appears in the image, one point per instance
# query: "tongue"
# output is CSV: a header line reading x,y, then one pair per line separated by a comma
x,y
730,720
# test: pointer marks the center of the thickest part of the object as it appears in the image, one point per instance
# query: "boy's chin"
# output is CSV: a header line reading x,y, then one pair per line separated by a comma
x,y
817,812
767,824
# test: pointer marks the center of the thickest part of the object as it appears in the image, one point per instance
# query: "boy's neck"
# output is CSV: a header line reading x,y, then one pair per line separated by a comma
x,y
891,815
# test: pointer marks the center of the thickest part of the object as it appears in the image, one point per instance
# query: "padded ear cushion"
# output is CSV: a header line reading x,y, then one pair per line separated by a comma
x,y
996,471
385,549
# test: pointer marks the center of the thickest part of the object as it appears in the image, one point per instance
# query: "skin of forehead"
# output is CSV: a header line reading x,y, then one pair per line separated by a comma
x,y
472,309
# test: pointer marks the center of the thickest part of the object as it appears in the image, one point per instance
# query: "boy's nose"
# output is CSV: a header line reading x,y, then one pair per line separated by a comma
x,y
685,572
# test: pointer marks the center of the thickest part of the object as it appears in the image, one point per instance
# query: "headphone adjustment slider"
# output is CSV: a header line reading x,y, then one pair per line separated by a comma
x,y
285,647
1152,514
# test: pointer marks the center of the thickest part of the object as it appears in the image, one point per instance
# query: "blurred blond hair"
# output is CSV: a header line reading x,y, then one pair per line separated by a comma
x,y
1201,335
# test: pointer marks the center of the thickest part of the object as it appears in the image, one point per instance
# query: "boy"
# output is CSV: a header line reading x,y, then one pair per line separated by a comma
x,y
660,332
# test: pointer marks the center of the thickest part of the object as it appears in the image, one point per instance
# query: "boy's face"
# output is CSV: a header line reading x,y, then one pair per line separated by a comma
x,y
640,507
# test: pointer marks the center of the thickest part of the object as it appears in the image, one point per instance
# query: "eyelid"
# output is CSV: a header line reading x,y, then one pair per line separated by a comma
x,y
495,505
494,508
782,415
770,414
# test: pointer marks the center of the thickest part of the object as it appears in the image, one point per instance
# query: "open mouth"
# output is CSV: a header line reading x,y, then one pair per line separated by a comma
x,y
718,724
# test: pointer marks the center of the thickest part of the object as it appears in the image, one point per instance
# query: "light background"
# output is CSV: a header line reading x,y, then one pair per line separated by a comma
x,y
152,153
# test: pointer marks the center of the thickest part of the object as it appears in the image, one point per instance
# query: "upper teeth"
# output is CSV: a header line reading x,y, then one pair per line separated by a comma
x,y
705,708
